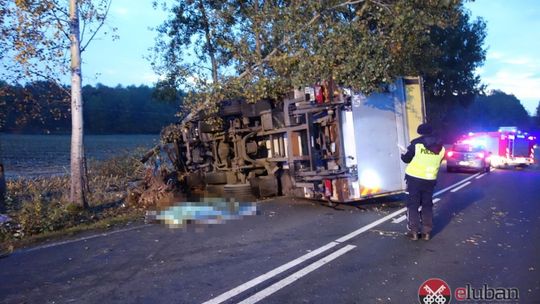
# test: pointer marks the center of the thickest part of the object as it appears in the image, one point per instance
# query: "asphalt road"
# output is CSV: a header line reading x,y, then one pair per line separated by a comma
x,y
297,251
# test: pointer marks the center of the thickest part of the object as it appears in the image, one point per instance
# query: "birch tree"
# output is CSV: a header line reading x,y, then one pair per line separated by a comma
x,y
44,41
78,174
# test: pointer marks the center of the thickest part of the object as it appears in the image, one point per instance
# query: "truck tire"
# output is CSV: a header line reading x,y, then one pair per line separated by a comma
x,y
235,190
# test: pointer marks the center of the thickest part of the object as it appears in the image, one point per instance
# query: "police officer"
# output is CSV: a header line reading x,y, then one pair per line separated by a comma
x,y
423,156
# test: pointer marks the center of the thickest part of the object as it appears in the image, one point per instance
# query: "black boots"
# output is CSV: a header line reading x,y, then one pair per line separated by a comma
x,y
412,236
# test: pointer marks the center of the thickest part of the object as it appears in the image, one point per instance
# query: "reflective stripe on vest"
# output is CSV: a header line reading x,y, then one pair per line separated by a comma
x,y
425,164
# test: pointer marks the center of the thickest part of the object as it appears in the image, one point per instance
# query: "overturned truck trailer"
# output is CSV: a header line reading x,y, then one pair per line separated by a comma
x,y
339,147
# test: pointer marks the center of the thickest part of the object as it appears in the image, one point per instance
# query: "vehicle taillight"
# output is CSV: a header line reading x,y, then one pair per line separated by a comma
x,y
480,154
450,153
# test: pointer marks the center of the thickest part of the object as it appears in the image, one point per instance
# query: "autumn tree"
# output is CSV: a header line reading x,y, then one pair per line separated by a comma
x,y
272,46
44,41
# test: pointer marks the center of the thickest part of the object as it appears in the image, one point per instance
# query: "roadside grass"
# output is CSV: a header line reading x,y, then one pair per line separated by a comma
x,y
39,208
126,219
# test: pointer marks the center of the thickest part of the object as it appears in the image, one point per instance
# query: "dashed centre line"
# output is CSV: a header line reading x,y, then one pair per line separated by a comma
x,y
460,187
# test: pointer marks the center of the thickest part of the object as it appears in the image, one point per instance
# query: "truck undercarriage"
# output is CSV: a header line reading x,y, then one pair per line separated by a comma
x,y
309,144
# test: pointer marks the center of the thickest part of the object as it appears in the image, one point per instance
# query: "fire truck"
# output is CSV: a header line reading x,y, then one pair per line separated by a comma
x,y
507,147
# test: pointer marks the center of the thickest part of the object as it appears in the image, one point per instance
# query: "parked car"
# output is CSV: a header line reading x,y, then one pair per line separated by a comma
x,y
468,157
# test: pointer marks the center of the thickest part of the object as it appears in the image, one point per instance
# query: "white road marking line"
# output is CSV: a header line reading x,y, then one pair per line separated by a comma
x,y
462,186
480,176
369,226
452,186
272,273
296,276
399,219
85,238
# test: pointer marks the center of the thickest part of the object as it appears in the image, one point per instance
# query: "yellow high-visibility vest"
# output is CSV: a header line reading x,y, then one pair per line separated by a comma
x,y
425,164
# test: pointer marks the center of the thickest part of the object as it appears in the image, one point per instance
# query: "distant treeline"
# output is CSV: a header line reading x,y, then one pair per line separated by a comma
x,y
43,107
484,113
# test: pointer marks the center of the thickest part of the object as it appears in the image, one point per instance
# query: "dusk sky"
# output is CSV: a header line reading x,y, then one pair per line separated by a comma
x,y
512,64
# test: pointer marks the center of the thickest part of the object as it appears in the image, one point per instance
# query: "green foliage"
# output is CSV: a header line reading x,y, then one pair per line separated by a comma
x,y
265,48
37,204
449,67
460,53
38,216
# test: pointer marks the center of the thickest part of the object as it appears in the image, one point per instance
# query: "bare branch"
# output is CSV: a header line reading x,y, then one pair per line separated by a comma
x,y
53,80
83,30
64,12
60,22
98,28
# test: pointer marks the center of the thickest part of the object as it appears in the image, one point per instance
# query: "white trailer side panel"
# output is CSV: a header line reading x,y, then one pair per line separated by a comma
x,y
379,127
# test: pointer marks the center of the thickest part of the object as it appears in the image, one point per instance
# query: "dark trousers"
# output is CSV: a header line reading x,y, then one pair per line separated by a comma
x,y
420,194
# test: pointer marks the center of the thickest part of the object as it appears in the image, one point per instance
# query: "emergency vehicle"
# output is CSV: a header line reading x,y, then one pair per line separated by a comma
x,y
507,147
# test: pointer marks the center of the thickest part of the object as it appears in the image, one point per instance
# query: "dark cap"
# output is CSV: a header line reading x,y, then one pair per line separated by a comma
x,y
424,129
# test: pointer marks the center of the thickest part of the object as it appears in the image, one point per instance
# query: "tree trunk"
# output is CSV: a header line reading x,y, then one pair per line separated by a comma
x,y
78,176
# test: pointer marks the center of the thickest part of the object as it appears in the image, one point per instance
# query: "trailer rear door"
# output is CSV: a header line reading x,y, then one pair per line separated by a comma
x,y
377,125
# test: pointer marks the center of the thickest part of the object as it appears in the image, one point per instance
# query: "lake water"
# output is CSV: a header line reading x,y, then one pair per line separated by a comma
x,y
43,155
